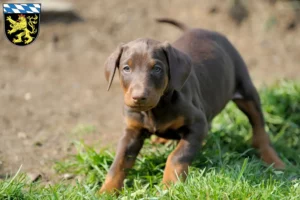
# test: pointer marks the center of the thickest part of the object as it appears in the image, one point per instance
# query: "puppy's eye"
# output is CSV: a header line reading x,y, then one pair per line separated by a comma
x,y
157,69
126,69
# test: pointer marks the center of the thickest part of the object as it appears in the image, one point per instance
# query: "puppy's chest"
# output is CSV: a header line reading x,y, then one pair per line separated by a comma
x,y
155,125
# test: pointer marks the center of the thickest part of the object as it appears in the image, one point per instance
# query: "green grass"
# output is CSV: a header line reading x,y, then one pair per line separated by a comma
x,y
226,168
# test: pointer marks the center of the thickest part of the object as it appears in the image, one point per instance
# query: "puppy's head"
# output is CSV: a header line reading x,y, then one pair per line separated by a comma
x,y
147,68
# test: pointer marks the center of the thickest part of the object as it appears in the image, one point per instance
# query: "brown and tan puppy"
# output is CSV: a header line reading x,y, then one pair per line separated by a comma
x,y
174,91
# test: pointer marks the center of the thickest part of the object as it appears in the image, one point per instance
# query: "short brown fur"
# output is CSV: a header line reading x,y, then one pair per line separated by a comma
x,y
174,92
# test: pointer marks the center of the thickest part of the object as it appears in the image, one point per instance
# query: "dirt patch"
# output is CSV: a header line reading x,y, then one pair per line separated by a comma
x,y
49,88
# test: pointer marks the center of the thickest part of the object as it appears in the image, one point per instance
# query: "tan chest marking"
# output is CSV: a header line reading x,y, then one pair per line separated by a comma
x,y
153,127
174,125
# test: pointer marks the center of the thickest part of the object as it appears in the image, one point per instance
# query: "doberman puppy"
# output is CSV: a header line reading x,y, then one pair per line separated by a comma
x,y
174,92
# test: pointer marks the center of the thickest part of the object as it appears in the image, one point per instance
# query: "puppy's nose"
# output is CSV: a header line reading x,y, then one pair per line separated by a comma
x,y
139,98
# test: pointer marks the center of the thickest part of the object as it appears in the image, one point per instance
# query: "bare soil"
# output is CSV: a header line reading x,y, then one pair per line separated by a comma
x,y
55,85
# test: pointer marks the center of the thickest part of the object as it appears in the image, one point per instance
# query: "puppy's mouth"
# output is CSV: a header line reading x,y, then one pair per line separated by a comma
x,y
141,107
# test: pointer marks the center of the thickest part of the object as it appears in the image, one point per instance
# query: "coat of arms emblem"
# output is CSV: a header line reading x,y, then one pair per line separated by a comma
x,y
21,22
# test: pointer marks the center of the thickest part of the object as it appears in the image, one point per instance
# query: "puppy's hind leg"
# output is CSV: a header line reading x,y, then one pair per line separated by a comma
x,y
247,100
249,103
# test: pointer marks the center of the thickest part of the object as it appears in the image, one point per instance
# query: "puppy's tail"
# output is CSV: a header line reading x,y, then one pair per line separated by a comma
x,y
180,25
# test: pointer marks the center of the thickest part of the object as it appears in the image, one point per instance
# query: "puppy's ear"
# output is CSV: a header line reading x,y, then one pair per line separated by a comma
x,y
180,66
111,65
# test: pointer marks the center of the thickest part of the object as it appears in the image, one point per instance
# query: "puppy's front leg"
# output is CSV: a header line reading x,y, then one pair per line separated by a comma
x,y
187,148
128,149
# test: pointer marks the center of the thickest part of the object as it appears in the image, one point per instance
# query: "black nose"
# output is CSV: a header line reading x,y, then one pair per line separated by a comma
x,y
139,98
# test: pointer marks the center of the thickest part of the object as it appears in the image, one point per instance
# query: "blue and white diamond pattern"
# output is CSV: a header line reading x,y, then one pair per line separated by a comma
x,y
21,8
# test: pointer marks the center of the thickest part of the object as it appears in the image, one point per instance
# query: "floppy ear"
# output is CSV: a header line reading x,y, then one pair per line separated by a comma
x,y
180,66
111,65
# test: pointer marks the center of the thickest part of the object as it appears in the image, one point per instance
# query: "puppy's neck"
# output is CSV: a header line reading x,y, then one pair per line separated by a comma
x,y
166,99
168,95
